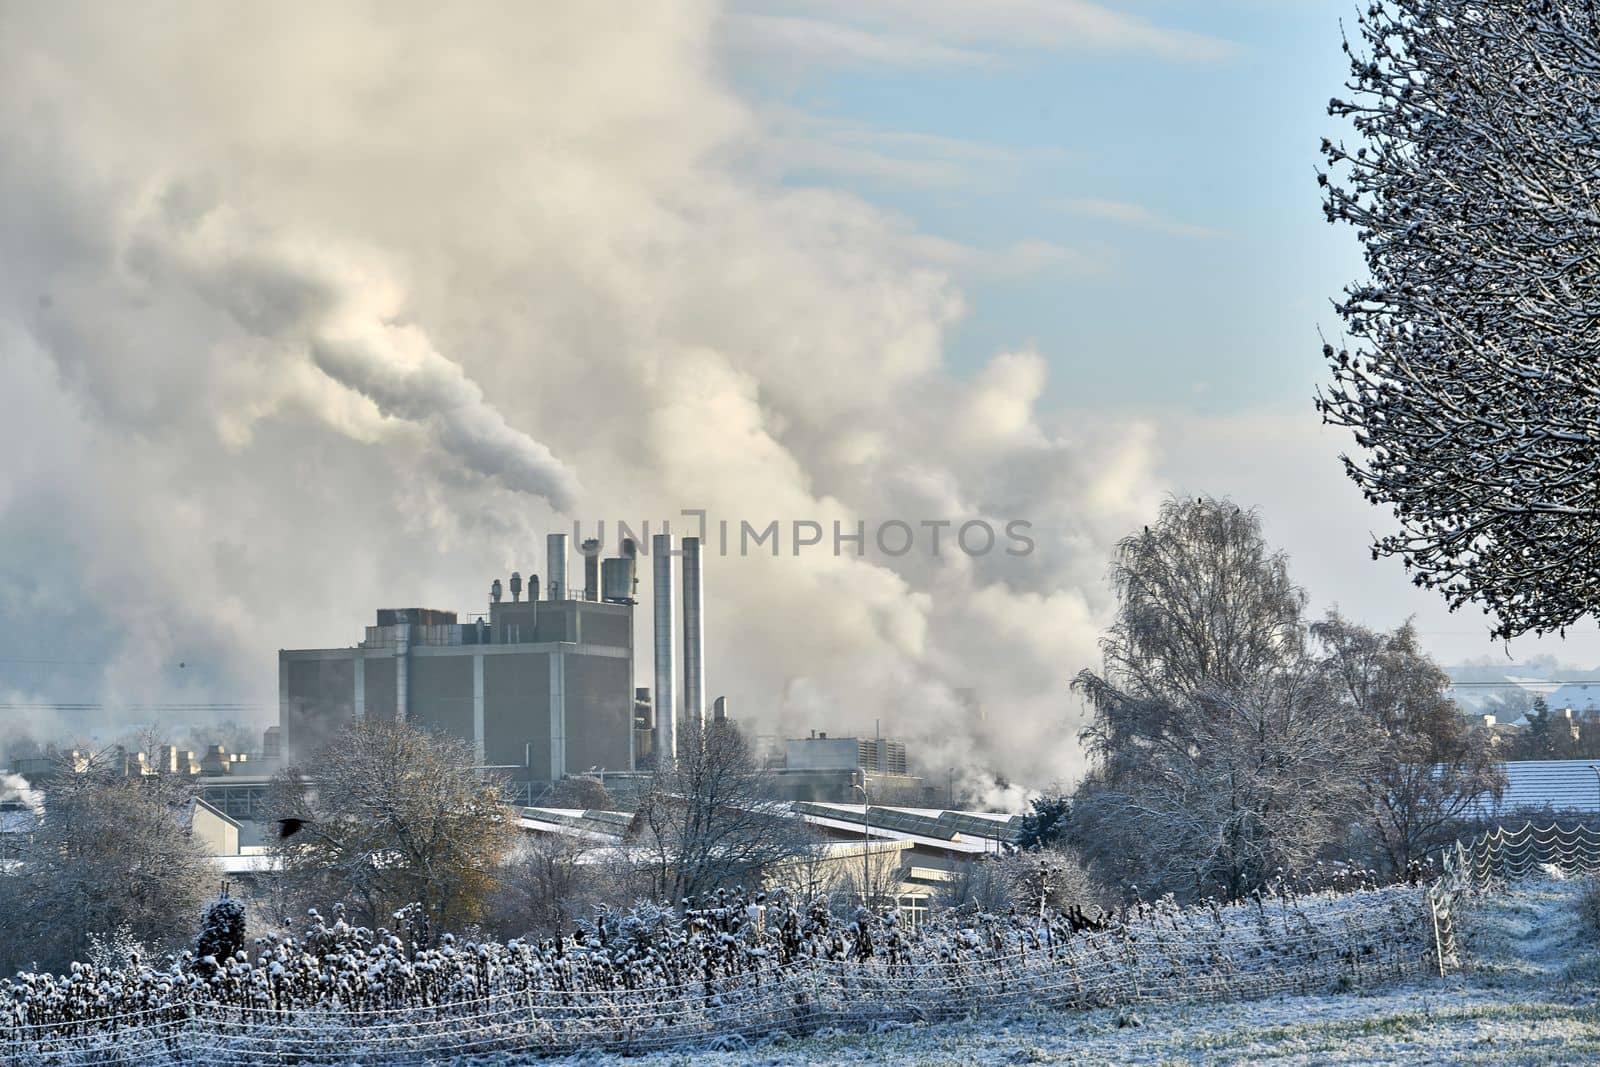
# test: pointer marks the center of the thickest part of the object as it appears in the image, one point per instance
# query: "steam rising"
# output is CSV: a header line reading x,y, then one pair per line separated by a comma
x,y
294,332
15,789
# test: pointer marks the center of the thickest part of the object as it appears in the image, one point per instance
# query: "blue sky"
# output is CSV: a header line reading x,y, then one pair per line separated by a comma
x,y
1176,190
1127,188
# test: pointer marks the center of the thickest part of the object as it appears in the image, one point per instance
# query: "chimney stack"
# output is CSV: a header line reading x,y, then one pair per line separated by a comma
x,y
591,568
516,586
694,637
555,571
666,717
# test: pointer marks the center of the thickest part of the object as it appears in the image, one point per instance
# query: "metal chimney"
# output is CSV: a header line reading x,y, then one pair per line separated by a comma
x,y
666,717
630,552
516,586
694,637
591,568
615,588
494,590
555,570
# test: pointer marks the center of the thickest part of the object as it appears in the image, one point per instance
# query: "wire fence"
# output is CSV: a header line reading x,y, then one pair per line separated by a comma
x,y
1495,857
1160,954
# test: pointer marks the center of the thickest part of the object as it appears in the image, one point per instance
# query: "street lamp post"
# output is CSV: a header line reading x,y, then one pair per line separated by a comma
x,y
866,830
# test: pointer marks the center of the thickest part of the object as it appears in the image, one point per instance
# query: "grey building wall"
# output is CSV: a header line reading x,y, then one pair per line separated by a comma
x,y
822,754
536,710
318,698
442,693
516,712
379,689
599,712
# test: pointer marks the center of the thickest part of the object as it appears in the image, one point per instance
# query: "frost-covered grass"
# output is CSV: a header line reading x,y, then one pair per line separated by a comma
x,y
1528,992
724,974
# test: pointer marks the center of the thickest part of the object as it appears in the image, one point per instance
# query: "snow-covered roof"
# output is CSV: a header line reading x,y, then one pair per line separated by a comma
x,y
591,825
1558,784
18,820
249,864
1579,696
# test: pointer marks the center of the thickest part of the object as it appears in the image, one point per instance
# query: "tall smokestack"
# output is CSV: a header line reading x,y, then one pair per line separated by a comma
x,y
555,568
591,568
694,637
666,717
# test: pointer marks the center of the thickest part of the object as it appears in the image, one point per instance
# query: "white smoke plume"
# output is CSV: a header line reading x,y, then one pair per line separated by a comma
x,y
310,310
15,788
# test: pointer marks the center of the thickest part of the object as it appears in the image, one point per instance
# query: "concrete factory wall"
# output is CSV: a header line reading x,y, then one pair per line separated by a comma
x,y
599,711
534,709
516,713
441,695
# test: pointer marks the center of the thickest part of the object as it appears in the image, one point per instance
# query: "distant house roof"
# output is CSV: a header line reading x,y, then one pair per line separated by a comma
x,y
1579,696
1558,784
196,803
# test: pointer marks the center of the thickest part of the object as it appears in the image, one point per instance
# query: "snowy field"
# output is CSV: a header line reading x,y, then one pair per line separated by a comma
x,y
1525,994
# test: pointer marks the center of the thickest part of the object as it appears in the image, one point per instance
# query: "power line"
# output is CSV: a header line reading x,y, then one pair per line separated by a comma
x,y
1526,682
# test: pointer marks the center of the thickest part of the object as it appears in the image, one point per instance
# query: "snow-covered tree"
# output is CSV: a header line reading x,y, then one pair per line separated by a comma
x,y
1427,763
710,819
112,858
222,929
1471,368
1222,754
1204,604
1044,823
395,816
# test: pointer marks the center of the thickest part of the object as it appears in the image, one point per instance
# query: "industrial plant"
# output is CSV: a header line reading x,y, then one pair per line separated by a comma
x,y
542,685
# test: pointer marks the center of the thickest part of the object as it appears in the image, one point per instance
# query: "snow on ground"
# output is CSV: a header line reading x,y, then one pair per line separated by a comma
x,y
1527,992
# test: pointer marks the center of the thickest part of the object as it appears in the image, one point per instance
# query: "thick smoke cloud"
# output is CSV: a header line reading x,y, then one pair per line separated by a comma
x,y
308,310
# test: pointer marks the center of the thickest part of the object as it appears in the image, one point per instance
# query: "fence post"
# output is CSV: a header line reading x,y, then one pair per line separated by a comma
x,y
1439,941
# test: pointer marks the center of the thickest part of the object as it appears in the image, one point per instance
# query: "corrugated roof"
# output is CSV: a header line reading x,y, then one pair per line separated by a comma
x,y
923,822
610,824
1561,785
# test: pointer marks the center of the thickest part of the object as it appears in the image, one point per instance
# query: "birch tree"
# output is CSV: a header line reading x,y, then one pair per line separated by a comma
x,y
1221,753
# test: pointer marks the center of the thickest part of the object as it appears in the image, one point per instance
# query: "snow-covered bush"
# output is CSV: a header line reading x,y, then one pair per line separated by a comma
x,y
733,964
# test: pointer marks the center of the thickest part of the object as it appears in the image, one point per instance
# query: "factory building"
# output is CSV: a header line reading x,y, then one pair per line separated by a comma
x,y
542,686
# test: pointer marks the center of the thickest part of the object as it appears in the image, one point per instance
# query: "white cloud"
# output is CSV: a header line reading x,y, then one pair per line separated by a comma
x,y
790,142
943,32
1125,213
812,41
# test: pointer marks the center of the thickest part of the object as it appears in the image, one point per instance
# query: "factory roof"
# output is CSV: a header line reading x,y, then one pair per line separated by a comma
x,y
591,824
957,831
